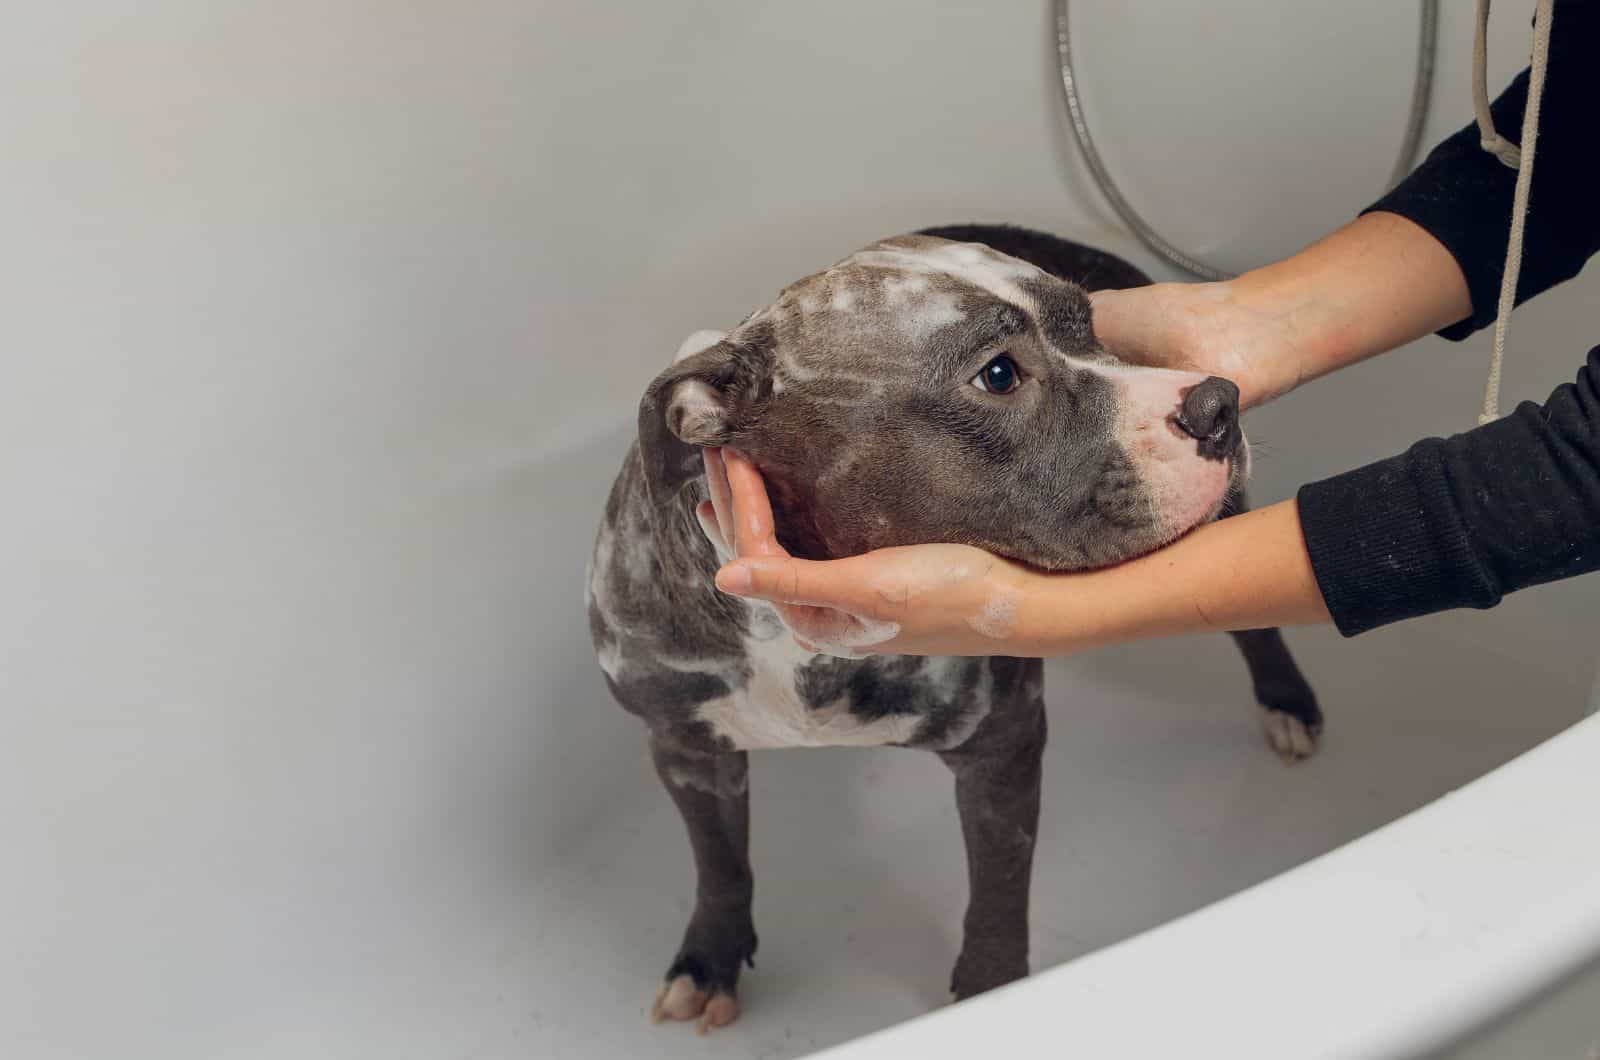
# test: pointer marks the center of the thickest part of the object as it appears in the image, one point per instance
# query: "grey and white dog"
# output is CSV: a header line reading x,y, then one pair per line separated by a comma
x,y
942,386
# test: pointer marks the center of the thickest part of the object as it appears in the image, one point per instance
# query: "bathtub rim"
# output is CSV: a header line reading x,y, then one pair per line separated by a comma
x,y
1420,932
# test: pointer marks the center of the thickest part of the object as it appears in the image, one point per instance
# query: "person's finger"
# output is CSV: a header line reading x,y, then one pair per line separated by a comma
x,y
753,531
721,497
786,580
707,515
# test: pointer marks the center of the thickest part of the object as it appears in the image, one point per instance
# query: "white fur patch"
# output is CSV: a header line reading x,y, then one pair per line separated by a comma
x,y
1287,735
1184,488
769,713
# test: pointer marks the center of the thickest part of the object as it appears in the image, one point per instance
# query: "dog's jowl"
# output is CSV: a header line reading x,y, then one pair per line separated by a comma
x,y
943,386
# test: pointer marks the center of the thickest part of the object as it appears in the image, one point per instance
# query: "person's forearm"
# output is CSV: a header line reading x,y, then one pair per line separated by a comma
x,y
1375,284
1462,521
1247,572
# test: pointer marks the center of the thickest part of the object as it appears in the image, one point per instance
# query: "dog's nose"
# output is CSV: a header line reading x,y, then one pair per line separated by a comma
x,y
1210,414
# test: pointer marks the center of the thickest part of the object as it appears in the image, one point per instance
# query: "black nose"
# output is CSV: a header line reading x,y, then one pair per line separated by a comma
x,y
1210,414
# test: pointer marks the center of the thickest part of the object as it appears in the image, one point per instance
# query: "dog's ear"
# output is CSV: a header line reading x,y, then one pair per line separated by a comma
x,y
703,399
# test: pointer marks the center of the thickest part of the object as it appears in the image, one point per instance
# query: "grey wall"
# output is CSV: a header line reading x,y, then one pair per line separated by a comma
x,y
321,324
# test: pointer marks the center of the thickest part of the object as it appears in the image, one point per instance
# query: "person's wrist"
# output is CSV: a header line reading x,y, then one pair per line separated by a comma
x,y
1051,620
1376,284
1292,327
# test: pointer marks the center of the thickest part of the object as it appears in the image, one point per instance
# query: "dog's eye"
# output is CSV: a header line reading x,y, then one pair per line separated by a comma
x,y
999,376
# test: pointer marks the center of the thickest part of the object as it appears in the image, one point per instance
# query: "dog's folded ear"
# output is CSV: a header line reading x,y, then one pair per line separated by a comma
x,y
703,399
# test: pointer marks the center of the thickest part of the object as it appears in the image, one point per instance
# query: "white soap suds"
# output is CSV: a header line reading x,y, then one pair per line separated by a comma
x,y
998,617
856,642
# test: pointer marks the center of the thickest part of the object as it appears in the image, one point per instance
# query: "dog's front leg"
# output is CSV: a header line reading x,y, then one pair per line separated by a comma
x,y
997,793
713,794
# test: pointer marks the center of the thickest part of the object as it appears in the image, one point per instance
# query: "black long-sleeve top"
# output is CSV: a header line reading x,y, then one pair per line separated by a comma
x,y
1461,521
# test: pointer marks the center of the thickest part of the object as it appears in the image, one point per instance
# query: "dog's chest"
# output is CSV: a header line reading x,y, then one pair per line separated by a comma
x,y
795,699
673,653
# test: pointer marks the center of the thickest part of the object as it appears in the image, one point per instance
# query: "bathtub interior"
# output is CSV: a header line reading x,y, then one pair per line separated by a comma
x,y
1159,799
332,317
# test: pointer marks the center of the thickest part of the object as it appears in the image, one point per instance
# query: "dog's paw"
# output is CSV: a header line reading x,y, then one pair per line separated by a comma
x,y
681,999
1289,736
977,971
701,983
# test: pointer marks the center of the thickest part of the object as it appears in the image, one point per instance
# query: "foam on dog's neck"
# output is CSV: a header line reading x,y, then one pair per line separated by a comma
x,y
856,640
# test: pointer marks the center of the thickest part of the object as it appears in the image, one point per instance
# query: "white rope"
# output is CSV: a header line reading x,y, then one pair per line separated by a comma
x,y
1520,158
1488,136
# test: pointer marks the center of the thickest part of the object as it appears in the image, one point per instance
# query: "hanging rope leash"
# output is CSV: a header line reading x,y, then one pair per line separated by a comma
x,y
1520,159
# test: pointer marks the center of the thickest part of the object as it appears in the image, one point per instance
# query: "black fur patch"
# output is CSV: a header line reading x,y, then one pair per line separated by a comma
x,y
1091,269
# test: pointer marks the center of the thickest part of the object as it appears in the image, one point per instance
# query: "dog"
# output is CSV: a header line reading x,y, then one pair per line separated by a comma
x,y
940,386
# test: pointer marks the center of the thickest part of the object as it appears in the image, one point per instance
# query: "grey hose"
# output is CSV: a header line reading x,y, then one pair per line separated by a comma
x,y
1421,89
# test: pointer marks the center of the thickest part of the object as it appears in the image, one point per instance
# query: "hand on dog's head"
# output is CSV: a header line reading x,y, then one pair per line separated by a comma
x,y
923,390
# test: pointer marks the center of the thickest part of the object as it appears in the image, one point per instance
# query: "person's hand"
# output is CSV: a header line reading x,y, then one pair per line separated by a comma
x,y
916,600
1375,284
1204,327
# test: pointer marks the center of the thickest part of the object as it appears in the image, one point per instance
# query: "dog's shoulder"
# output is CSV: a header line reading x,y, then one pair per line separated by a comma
x,y
665,638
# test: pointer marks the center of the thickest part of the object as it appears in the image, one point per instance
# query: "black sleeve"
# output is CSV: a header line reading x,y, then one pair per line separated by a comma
x,y
1460,522
1461,194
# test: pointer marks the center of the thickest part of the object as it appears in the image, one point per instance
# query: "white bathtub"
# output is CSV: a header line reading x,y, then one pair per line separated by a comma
x,y
1427,934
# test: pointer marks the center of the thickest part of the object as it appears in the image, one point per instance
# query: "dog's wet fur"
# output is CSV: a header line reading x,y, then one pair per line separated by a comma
x,y
857,393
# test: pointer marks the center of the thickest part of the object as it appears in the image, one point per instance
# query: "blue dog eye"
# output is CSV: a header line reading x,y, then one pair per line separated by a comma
x,y
999,376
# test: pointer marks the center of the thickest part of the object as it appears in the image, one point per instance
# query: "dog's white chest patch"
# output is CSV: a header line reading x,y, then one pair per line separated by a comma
x,y
769,712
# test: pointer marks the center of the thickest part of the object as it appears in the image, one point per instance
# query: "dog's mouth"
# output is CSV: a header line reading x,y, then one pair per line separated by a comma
x,y
805,530
795,522
1186,514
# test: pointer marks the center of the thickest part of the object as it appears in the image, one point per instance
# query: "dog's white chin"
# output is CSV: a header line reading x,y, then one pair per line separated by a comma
x,y
1188,501
1184,488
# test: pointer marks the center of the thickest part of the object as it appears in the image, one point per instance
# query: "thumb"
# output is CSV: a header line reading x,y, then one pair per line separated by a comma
x,y
786,580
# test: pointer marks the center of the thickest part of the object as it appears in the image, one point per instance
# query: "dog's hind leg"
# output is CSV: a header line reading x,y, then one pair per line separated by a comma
x,y
712,792
1291,719
997,793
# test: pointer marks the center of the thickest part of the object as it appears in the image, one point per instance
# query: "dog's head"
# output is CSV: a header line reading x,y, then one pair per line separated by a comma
x,y
923,390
